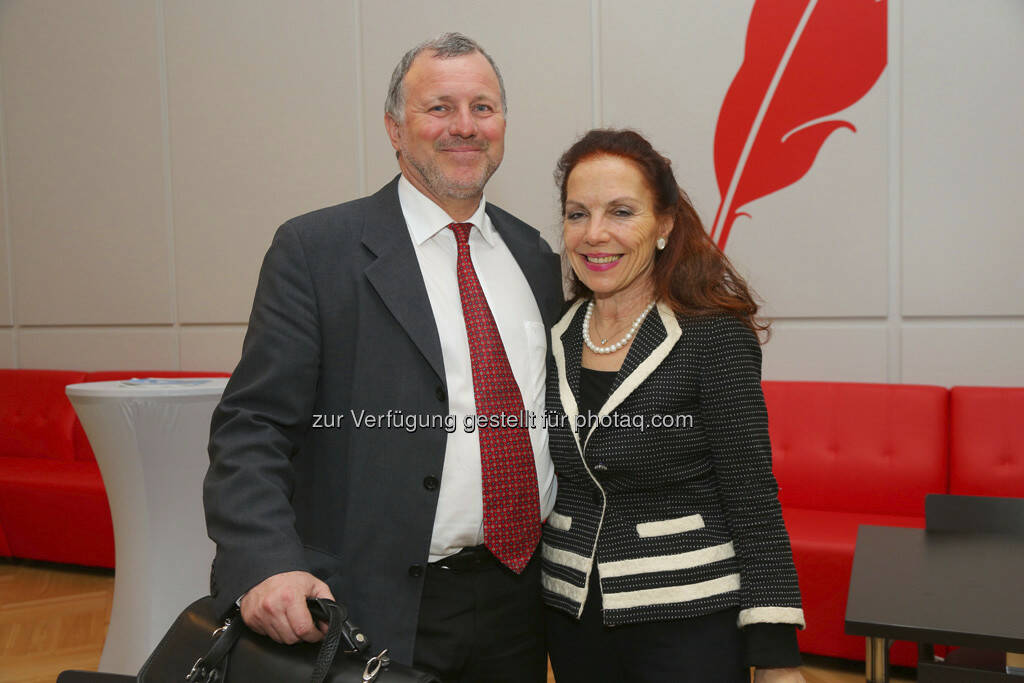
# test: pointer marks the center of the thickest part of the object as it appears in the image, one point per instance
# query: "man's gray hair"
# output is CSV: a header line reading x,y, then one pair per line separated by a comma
x,y
445,46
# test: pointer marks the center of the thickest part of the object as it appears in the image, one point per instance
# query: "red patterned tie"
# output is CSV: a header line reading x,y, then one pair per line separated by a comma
x,y
511,499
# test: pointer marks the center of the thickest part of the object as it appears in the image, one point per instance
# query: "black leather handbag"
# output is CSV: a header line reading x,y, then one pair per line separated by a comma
x,y
201,648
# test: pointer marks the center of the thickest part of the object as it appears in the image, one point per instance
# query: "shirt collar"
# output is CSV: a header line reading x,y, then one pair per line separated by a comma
x,y
425,218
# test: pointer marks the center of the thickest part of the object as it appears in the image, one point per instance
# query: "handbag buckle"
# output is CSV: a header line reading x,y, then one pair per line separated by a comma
x,y
200,674
374,665
197,671
224,627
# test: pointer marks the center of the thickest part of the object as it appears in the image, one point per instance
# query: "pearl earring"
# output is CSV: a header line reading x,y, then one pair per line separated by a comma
x,y
660,243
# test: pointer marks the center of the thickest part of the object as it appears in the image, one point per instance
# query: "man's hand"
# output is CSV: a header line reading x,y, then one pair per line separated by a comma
x,y
778,676
277,607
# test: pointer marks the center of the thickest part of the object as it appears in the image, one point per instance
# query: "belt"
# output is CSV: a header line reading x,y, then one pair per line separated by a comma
x,y
472,559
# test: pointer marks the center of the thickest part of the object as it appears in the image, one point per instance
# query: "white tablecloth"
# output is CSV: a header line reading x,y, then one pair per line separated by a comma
x,y
150,443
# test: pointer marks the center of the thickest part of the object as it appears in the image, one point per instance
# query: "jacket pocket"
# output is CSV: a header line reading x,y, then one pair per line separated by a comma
x,y
670,526
560,522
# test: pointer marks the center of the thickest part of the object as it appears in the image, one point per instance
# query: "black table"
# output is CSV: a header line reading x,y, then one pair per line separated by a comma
x,y
932,587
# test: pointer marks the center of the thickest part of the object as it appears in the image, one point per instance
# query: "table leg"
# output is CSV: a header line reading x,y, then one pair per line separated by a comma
x,y
876,660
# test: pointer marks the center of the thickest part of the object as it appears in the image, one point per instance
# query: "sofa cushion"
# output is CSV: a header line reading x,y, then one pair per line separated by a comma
x,y
848,447
36,418
987,441
56,511
823,544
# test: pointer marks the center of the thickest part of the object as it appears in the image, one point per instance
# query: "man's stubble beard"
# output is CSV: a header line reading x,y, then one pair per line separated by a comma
x,y
442,186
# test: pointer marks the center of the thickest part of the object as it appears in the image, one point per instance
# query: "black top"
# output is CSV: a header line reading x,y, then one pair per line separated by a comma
x,y
765,645
595,385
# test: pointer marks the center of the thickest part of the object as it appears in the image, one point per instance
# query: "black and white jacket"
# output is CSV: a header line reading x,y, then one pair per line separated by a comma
x,y
681,520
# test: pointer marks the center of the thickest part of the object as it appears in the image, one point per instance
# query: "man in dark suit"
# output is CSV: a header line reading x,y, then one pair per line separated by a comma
x,y
347,454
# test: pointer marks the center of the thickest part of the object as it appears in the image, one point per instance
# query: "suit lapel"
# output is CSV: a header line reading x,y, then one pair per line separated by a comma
x,y
652,344
654,340
541,269
396,276
567,350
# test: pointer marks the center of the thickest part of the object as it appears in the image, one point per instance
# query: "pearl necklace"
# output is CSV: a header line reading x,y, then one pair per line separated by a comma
x,y
619,344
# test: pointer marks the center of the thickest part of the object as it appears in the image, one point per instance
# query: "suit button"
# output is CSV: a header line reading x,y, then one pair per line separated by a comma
x,y
431,483
416,570
440,393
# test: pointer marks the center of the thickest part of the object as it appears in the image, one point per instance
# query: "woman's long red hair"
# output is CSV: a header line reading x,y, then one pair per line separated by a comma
x,y
691,275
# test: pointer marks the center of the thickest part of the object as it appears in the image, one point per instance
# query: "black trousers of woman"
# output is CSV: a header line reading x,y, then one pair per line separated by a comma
x,y
706,649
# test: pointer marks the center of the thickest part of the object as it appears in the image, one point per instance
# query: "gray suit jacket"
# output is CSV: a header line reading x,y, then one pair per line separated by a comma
x,y
340,321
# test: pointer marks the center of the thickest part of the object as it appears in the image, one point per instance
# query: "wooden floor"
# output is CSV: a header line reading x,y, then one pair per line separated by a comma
x,y
51,618
54,617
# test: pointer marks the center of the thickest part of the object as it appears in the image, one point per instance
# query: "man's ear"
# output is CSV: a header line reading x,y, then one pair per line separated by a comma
x,y
394,131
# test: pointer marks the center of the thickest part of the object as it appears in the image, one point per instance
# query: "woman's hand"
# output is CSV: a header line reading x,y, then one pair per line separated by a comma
x,y
778,676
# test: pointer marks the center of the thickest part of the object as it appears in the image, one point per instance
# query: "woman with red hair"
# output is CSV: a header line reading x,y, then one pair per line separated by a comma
x,y
666,558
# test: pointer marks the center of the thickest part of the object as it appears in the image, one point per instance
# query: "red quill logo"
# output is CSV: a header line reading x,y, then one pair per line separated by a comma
x,y
804,61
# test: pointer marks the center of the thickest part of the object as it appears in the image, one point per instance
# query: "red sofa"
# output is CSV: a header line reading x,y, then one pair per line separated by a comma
x,y
53,505
986,454
847,454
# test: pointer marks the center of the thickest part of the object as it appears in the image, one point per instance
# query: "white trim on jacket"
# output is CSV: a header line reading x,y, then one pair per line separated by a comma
x,y
620,600
666,563
665,527
560,522
771,615
672,334
571,411
672,594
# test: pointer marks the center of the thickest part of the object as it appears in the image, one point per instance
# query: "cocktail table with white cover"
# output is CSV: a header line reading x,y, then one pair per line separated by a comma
x,y
149,438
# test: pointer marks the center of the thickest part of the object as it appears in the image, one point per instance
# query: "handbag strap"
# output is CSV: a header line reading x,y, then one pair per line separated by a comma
x,y
352,637
335,617
208,668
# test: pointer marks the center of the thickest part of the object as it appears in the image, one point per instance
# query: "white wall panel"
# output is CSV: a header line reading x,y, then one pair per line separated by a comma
x,y
664,72
817,248
543,51
5,264
263,116
211,349
84,162
99,349
962,158
983,353
839,352
152,148
7,357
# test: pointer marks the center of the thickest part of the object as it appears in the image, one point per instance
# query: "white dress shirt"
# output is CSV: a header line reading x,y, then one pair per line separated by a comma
x,y
458,522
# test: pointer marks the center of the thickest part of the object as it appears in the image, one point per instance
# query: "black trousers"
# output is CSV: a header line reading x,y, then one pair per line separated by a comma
x,y
482,624
707,649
